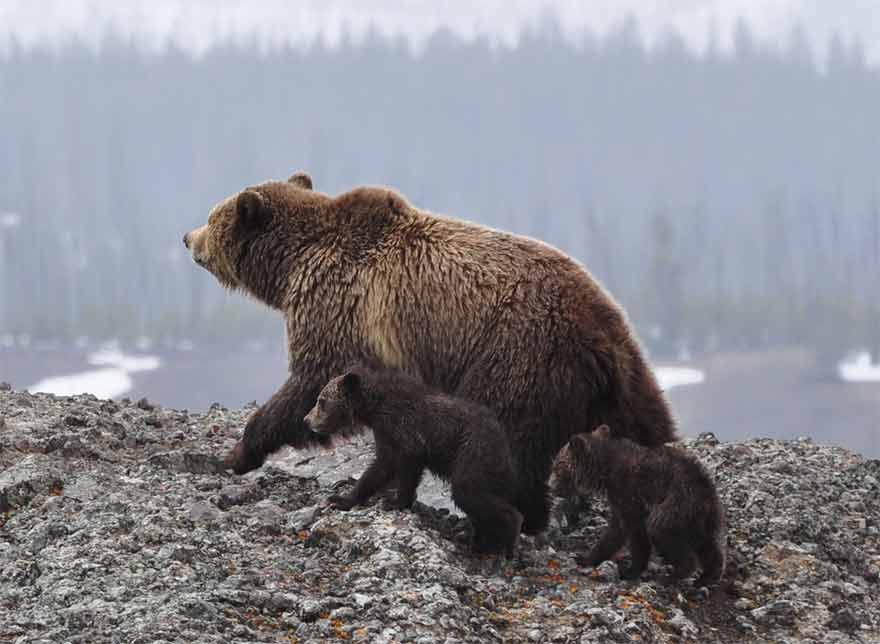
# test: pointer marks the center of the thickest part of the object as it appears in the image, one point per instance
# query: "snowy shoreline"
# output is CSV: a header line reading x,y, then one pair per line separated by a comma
x,y
112,376
112,380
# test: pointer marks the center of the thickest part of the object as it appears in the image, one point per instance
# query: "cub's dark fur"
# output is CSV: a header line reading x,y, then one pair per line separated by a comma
x,y
658,496
570,504
416,428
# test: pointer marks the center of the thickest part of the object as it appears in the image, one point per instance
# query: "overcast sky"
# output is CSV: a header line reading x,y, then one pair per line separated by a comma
x,y
196,25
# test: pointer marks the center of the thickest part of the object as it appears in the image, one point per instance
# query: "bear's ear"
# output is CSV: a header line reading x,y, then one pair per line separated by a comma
x,y
602,432
301,180
351,383
250,208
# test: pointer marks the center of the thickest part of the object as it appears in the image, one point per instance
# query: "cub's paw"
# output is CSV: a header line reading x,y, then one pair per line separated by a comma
x,y
399,503
706,580
341,502
628,573
587,561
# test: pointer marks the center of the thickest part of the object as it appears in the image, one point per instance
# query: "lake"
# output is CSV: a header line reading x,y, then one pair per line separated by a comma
x,y
774,394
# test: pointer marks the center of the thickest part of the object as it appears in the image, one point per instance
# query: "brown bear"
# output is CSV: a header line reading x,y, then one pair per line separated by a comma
x,y
659,496
481,314
414,428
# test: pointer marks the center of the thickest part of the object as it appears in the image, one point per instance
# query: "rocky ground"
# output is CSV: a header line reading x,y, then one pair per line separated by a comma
x,y
118,524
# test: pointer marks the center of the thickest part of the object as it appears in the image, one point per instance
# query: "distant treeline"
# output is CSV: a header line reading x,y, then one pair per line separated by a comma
x,y
728,201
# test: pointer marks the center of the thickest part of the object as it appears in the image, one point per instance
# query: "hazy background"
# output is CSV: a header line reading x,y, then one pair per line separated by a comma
x,y
715,164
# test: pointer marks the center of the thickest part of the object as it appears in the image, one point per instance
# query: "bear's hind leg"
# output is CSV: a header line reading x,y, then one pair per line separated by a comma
x,y
675,551
711,558
409,476
639,550
496,521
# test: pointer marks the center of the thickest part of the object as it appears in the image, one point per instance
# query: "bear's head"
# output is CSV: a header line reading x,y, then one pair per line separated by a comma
x,y
252,235
586,459
335,411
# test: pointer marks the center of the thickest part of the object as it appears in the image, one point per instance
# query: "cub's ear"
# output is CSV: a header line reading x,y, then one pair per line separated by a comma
x,y
250,208
301,180
351,383
603,432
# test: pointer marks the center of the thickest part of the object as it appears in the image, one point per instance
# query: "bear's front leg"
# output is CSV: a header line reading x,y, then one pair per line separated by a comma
x,y
377,476
278,422
609,543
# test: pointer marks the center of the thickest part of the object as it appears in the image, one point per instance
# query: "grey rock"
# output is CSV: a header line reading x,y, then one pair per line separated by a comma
x,y
30,476
232,495
200,511
192,462
681,624
605,617
343,613
845,619
310,609
608,571
284,601
303,518
75,420
83,488
777,612
113,531
361,601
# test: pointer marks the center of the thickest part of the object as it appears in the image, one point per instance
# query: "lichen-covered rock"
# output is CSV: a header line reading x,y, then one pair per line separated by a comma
x,y
120,525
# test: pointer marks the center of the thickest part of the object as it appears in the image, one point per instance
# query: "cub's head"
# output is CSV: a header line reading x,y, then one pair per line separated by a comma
x,y
251,236
334,412
587,459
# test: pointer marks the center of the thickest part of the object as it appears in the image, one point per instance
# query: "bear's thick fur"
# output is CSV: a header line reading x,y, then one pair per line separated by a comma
x,y
415,428
661,497
481,314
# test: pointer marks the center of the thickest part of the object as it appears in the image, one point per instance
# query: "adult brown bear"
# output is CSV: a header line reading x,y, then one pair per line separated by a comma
x,y
500,319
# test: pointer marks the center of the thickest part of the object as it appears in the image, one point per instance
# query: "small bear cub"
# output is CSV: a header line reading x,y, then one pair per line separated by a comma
x,y
414,428
570,504
659,496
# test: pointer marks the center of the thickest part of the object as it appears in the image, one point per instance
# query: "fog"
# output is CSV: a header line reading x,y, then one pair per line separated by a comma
x,y
727,193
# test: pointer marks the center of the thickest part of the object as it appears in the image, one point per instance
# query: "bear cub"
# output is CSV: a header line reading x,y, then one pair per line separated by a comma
x,y
660,497
414,428
570,504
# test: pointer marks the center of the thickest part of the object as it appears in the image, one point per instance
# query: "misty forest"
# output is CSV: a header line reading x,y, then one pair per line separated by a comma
x,y
728,200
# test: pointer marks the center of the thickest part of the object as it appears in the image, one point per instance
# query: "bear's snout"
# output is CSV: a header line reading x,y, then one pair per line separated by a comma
x,y
307,422
196,242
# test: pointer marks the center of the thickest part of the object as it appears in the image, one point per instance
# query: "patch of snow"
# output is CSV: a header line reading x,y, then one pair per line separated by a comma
x,y
115,358
670,377
9,219
111,381
857,367
103,383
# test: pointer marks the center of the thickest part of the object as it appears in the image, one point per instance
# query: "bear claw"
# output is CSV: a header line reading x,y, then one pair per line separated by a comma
x,y
340,502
